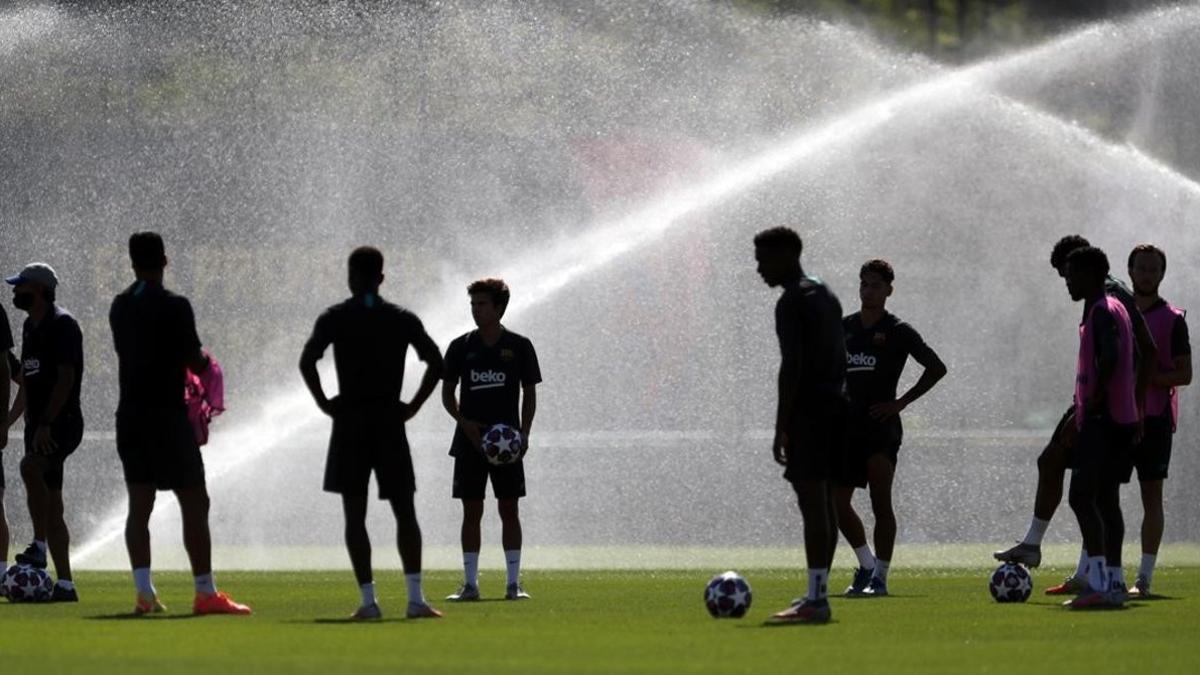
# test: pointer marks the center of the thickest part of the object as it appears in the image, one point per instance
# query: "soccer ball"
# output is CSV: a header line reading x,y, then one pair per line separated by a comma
x,y
727,596
1011,583
501,445
23,583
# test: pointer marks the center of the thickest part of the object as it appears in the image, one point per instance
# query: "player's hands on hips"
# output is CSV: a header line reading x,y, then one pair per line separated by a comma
x,y
882,411
43,444
779,448
331,406
407,411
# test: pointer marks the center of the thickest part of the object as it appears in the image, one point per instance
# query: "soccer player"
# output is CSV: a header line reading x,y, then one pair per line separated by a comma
x,y
6,374
154,332
877,346
499,373
370,338
51,370
1147,265
810,420
1106,417
1052,463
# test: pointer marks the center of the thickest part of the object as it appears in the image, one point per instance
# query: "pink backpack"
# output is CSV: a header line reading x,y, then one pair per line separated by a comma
x,y
204,395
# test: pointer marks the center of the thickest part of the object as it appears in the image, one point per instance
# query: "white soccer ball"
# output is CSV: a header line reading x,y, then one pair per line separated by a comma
x,y
1011,583
502,444
727,596
23,583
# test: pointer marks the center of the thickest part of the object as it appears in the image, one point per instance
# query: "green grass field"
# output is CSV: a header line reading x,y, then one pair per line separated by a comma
x,y
601,621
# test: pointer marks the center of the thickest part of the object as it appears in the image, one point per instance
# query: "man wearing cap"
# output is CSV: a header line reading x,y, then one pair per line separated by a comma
x,y
51,371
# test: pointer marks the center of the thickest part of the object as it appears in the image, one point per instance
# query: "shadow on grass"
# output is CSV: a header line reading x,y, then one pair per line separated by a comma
x,y
347,621
127,616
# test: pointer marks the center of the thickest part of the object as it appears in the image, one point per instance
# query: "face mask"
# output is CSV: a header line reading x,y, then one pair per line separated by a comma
x,y
23,301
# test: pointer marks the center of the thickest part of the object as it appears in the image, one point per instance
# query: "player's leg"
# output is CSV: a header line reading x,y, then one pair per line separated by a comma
x,y
852,529
37,496
137,543
470,486
60,549
1153,461
197,541
1083,497
1052,467
1109,502
408,540
881,470
508,483
1153,523
3,531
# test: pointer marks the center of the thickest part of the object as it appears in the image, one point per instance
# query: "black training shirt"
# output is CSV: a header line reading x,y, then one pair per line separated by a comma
x,y
154,332
45,346
6,339
875,358
808,322
370,339
491,378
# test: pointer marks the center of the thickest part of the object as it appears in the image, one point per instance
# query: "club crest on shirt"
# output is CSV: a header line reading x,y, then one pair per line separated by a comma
x,y
879,339
507,355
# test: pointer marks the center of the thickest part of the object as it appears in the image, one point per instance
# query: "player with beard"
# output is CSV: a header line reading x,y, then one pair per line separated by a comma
x,y
1147,266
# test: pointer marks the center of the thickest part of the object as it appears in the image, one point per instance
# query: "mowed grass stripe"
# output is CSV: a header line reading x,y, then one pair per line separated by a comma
x,y
601,621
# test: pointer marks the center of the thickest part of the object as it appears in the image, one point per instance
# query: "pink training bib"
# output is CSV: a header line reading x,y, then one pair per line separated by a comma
x,y
1161,319
204,395
1122,401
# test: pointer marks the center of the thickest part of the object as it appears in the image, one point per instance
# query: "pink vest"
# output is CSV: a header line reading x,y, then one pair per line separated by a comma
x,y
204,395
1161,322
1122,402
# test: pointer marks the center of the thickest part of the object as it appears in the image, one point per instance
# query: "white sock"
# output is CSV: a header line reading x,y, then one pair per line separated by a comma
x,y
512,560
881,569
471,569
368,593
865,559
1037,530
66,583
1147,568
818,584
1116,576
416,596
41,545
141,579
1081,569
1097,573
206,584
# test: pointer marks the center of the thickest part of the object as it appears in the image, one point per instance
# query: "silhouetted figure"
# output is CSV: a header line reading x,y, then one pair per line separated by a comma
x,y
1106,417
499,373
51,371
1052,462
810,421
370,339
154,332
878,345
1152,457
7,373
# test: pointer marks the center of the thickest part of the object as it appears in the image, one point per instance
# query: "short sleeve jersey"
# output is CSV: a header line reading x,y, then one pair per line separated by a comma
x,y
808,323
154,332
46,346
370,339
876,356
491,377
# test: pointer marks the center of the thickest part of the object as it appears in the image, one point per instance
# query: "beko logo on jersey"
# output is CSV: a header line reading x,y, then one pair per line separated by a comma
x,y
487,379
856,362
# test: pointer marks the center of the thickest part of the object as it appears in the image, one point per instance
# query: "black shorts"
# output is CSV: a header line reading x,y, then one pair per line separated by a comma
x,y
158,447
1105,447
816,445
1153,455
472,472
367,439
865,437
1062,433
67,433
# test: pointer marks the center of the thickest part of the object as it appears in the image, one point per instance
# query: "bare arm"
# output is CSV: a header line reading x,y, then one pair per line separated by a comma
x,y
429,353
312,379
528,410
472,430
43,442
1180,374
